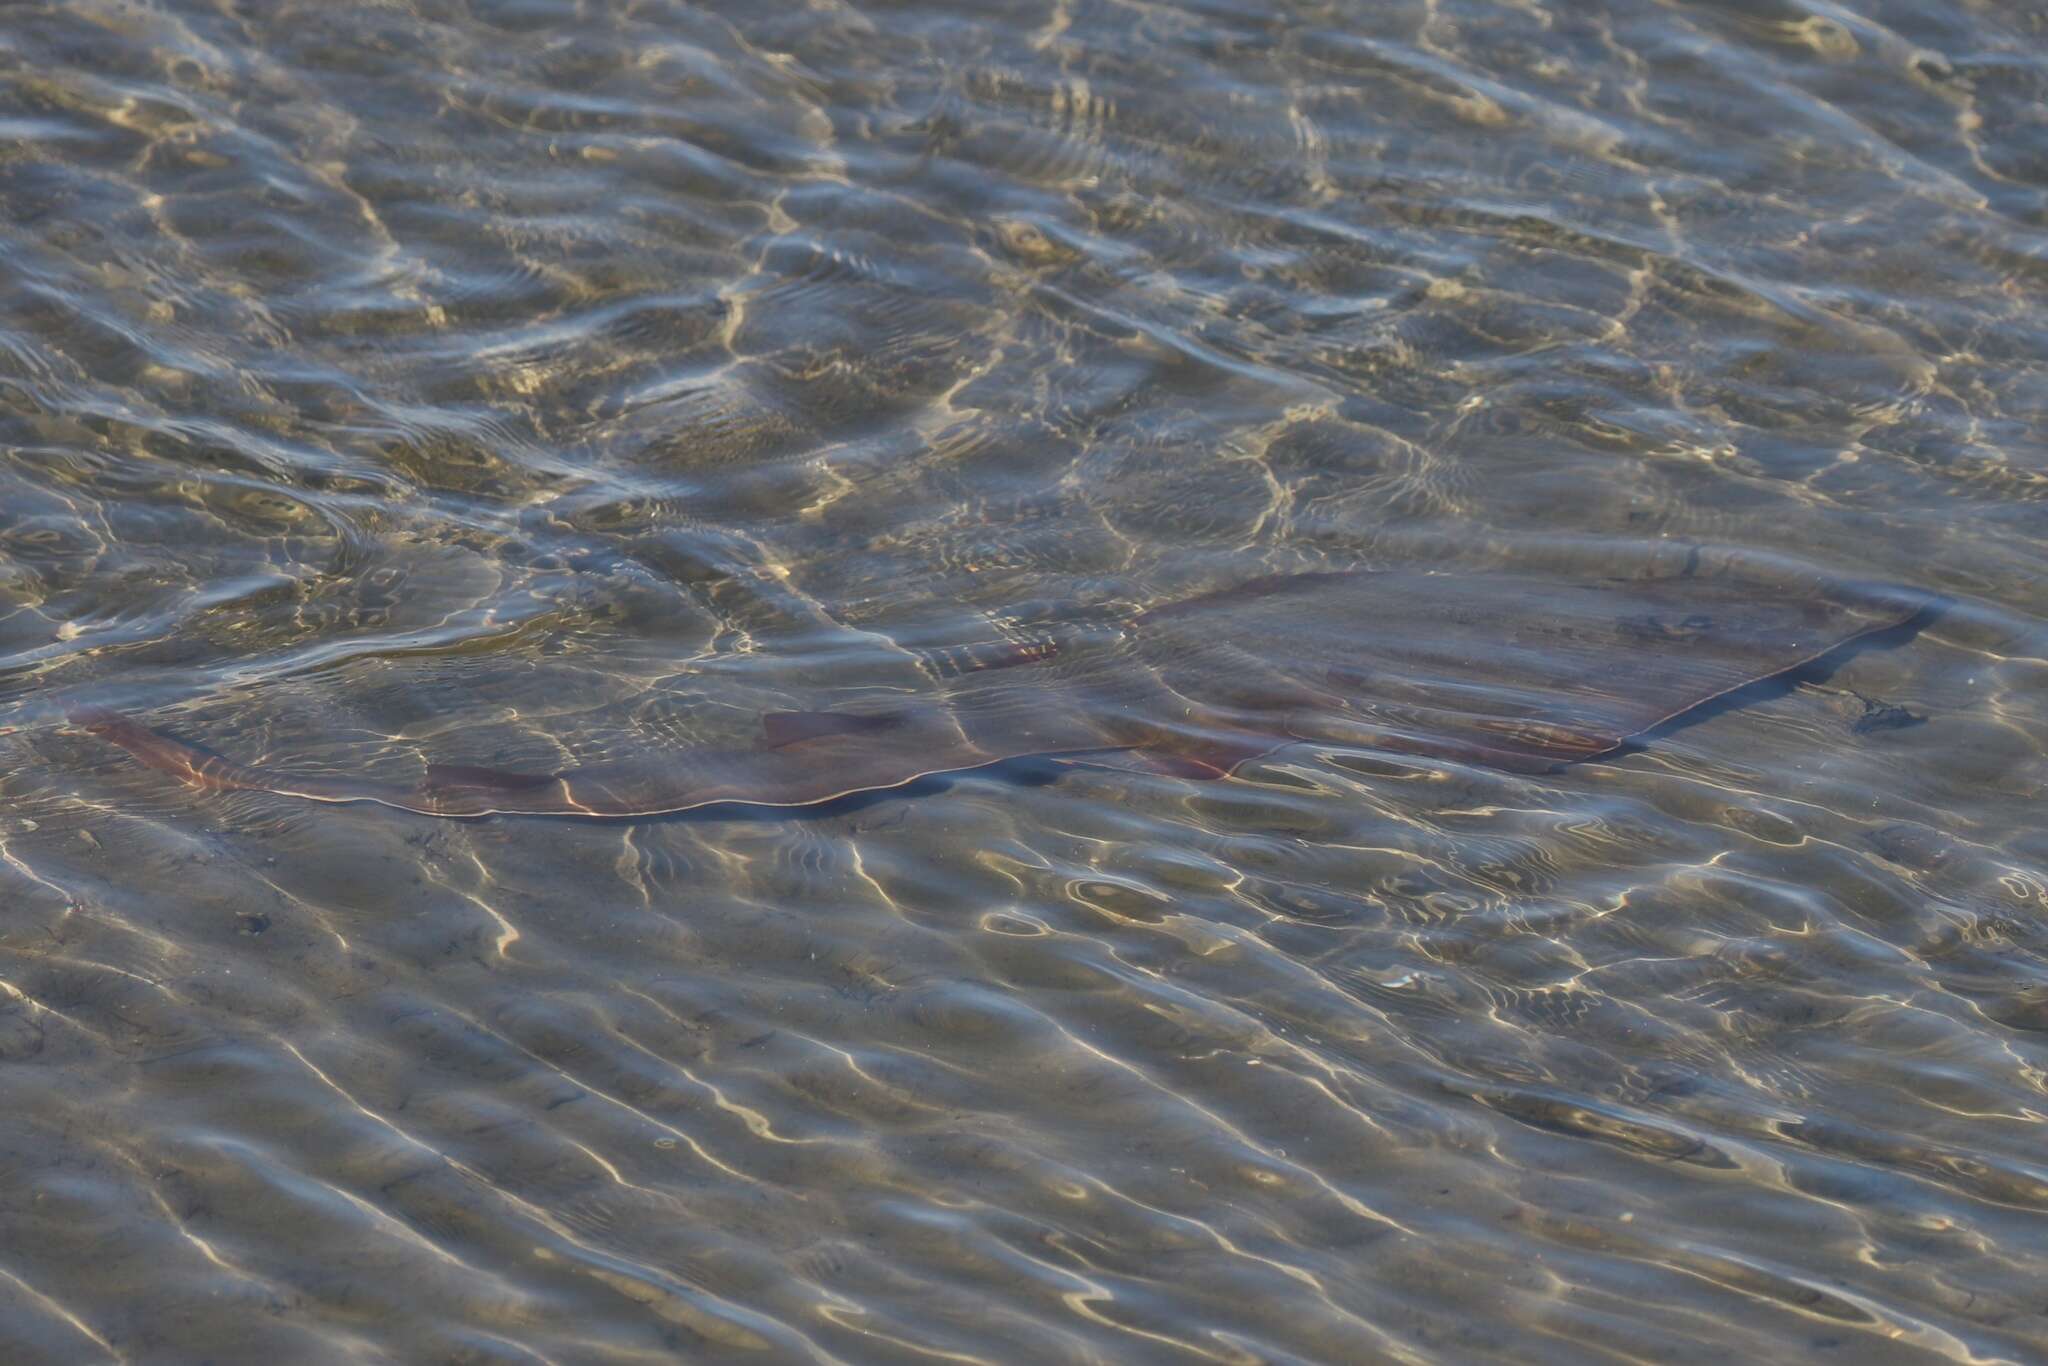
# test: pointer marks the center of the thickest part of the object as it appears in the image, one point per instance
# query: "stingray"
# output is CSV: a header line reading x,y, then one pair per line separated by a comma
x,y
1526,674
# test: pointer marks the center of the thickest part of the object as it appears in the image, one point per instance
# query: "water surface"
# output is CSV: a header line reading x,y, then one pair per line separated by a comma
x,y
542,383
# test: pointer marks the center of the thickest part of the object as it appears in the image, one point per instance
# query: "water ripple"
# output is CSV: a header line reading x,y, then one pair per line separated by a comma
x,y
535,385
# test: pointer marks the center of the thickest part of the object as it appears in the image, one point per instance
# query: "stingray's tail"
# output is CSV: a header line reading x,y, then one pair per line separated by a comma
x,y
196,768
189,764
448,792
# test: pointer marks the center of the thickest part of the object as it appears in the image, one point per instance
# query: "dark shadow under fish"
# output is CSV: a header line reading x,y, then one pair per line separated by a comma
x,y
1522,674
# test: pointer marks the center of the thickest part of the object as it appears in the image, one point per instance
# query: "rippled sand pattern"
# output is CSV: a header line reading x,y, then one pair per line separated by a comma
x,y
541,384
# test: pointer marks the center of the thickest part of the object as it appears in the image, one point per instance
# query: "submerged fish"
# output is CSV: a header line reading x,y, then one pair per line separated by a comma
x,y
1521,674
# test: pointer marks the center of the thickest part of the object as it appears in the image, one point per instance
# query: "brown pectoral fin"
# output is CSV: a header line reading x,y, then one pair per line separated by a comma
x,y
462,777
783,728
1204,761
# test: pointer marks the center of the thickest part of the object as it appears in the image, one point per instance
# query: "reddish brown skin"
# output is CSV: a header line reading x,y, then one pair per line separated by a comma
x,y
800,754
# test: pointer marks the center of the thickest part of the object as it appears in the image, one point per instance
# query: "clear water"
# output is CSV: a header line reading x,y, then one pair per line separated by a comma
x,y
544,383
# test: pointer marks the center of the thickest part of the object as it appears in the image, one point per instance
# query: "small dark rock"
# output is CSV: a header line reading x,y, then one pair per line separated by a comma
x,y
1879,716
1932,66
1911,846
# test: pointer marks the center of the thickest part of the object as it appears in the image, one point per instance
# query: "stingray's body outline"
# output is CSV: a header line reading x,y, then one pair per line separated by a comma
x,y
811,760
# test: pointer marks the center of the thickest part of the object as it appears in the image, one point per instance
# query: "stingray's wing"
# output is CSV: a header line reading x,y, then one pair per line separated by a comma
x,y
806,759
1518,672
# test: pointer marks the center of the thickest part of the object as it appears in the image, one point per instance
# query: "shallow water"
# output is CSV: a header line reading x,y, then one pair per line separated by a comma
x,y
537,384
